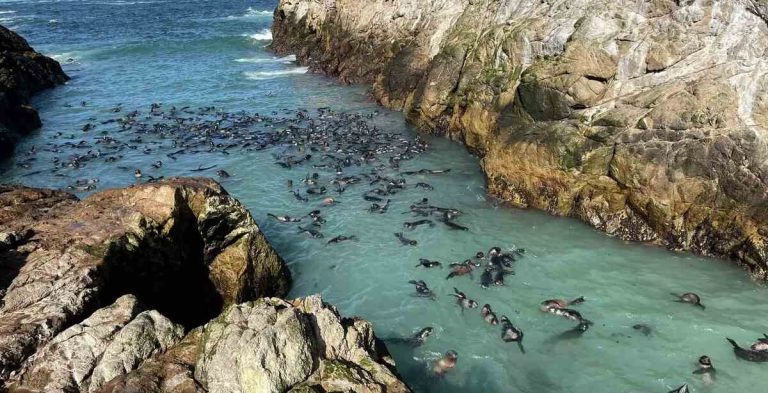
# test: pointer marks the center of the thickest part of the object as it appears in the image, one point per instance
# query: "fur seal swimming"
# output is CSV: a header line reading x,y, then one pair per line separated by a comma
x,y
510,333
405,241
748,354
689,297
341,238
416,340
462,300
285,219
222,173
414,224
446,363
494,275
706,369
460,269
429,264
559,303
422,290
488,315
313,233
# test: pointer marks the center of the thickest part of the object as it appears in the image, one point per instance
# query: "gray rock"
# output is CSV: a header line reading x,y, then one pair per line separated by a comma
x,y
67,362
147,334
270,345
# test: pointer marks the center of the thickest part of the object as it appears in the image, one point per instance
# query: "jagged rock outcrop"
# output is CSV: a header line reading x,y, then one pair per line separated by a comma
x,y
183,247
23,72
319,351
646,119
270,345
109,343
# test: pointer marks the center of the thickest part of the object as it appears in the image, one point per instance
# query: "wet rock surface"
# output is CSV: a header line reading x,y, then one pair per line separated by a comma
x,y
646,120
23,72
170,256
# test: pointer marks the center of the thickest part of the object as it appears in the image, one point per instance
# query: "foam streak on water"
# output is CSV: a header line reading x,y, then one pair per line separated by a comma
x,y
192,54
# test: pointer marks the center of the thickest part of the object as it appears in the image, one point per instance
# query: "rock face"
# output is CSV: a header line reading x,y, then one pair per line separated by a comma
x,y
268,345
646,119
109,343
23,72
183,249
319,351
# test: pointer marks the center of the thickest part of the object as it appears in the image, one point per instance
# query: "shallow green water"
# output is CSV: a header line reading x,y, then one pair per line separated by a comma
x,y
212,53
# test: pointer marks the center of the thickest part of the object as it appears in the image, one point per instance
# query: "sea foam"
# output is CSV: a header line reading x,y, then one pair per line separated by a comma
x,y
262,75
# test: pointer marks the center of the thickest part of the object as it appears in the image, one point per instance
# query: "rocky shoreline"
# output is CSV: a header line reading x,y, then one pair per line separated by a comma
x,y
23,73
164,287
647,121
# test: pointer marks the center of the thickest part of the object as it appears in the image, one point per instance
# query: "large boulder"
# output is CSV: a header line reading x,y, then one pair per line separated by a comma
x,y
271,345
183,247
23,72
646,119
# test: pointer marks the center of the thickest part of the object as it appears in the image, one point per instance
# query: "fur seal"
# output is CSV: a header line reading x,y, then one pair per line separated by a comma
x,y
689,297
446,363
510,333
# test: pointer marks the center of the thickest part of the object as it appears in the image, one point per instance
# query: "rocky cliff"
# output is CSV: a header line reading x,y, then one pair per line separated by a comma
x,y
151,289
23,72
646,119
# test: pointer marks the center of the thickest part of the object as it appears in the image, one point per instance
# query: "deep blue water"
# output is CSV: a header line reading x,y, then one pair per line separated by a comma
x,y
206,53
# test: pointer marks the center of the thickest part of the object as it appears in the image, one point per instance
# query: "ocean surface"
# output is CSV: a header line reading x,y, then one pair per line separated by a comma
x,y
213,53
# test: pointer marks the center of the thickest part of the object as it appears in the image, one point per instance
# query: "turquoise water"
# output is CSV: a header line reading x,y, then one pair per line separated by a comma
x,y
198,54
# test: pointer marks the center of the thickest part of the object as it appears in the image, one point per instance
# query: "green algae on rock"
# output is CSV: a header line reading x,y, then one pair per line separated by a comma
x,y
647,121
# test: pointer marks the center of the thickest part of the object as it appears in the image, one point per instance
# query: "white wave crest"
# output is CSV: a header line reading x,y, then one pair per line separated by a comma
x,y
264,35
256,60
262,75
251,13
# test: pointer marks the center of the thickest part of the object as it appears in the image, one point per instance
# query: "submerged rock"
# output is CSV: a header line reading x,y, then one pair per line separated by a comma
x,y
647,120
23,72
183,247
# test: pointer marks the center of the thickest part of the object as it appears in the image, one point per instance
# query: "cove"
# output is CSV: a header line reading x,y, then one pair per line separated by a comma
x,y
203,54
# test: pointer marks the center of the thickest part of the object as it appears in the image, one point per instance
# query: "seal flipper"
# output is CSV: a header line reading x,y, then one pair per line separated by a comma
x,y
701,305
578,300
520,344
735,345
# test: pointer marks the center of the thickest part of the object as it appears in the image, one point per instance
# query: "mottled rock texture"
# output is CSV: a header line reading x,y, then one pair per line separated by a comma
x,y
319,351
23,72
645,118
183,249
